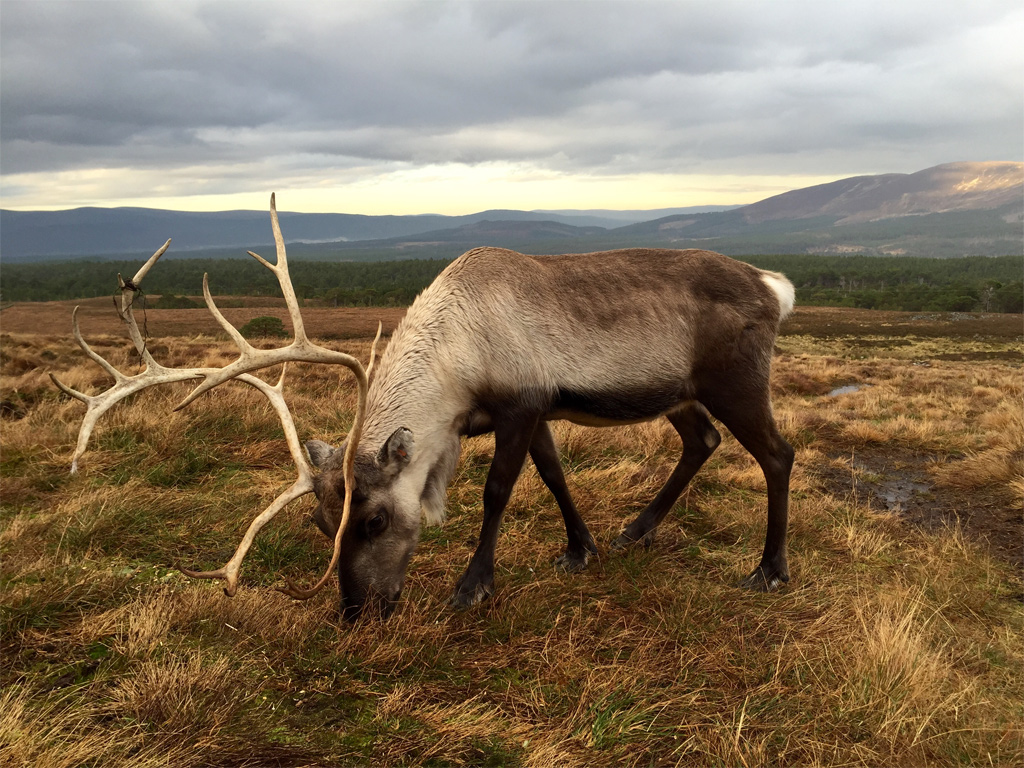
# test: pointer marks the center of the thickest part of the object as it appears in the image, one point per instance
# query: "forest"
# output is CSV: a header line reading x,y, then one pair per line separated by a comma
x,y
968,284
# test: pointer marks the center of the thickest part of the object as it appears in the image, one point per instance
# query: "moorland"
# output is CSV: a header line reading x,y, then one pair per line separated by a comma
x,y
898,640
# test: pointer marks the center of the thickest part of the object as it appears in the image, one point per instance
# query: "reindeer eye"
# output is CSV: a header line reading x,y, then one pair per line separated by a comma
x,y
376,524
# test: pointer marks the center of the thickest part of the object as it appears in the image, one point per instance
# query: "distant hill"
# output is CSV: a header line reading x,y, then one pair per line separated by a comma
x,y
942,189
622,218
955,209
106,232
501,232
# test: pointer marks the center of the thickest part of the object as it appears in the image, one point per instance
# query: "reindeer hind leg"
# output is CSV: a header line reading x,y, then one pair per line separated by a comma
x,y
700,439
748,415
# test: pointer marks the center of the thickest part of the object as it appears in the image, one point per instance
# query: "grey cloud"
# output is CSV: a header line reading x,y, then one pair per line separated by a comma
x,y
594,87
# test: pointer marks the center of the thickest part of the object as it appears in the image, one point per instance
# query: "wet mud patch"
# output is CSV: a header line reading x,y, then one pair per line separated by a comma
x,y
1009,355
847,389
897,481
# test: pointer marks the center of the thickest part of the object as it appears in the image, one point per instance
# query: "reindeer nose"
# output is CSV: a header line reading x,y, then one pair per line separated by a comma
x,y
352,607
388,605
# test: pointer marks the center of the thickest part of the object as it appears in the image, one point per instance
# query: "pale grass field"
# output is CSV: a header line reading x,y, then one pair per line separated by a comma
x,y
893,644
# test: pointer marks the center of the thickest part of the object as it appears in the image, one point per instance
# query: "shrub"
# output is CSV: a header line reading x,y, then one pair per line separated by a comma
x,y
170,301
261,327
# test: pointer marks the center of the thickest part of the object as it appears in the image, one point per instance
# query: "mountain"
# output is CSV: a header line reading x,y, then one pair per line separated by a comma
x,y
622,218
955,209
507,232
88,231
944,188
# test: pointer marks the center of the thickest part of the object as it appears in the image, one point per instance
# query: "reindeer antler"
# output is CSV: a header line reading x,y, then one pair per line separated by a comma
x,y
249,359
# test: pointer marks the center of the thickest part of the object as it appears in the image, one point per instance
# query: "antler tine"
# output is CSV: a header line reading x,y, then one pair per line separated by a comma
x,y
291,589
250,358
144,269
302,485
93,355
229,572
97,405
373,350
281,270
266,358
244,346
128,291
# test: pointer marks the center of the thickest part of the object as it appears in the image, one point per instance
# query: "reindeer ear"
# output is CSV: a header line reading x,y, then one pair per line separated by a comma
x,y
397,450
325,522
319,452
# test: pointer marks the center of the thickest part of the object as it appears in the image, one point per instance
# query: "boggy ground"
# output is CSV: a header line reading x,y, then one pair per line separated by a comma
x,y
896,462
898,640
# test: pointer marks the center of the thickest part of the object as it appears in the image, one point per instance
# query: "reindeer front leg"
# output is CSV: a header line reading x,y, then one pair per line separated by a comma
x,y
580,545
512,437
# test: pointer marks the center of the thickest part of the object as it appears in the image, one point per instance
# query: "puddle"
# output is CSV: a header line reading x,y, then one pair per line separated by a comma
x,y
897,494
847,389
900,486
898,490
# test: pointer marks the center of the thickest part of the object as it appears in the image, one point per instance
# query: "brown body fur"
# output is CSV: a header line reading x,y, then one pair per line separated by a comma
x,y
503,342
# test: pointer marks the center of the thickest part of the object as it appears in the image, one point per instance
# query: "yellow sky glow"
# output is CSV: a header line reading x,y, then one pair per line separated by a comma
x,y
443,189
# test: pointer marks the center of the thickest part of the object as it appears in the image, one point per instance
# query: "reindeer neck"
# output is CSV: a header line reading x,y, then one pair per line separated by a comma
x,y
412,389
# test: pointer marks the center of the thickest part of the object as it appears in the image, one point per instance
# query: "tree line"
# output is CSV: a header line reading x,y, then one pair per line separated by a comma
x,y
968,284
913,284
393,283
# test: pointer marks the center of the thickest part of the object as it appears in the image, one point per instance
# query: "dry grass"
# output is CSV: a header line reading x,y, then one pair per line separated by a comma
x,y
894,644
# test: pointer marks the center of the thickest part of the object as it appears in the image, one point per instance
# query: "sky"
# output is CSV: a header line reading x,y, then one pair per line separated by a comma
x,y
456,107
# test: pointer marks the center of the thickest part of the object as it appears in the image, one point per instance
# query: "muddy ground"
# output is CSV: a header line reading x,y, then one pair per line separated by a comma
x,y
894,480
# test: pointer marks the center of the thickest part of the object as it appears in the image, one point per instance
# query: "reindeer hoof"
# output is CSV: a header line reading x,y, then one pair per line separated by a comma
x,y
764,580
576,561
467,595
624,541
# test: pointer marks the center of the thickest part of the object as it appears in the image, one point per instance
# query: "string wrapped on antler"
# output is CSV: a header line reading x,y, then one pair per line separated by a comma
x,y
250,359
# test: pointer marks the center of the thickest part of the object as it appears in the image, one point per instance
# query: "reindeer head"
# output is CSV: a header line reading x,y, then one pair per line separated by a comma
x,y
383,523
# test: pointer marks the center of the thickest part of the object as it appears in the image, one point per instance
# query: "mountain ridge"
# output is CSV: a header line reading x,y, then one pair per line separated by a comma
x,y
942,188
86,231
959,208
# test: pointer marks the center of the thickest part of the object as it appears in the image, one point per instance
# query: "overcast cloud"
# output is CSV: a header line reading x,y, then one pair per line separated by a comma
x,y
108,102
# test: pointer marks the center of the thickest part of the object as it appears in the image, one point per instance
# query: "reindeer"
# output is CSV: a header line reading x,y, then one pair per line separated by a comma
x,y
504,342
